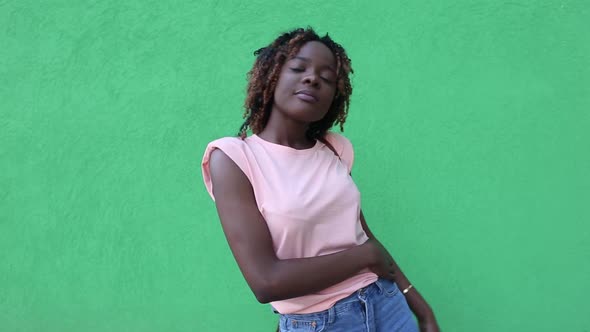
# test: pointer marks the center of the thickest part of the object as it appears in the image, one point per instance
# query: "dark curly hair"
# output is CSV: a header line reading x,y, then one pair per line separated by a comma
x,y
263,77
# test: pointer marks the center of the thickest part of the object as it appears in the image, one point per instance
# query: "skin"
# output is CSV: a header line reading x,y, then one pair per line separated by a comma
x,y
312,69
272,279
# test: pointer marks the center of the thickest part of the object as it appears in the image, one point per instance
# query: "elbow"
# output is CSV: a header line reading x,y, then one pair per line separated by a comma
x,y
262,297
266,291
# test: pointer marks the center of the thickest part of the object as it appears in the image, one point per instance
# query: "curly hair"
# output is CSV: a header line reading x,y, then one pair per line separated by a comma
x,y
263,77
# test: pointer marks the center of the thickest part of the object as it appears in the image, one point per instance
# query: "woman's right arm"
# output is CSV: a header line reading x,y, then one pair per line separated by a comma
x,y
270,278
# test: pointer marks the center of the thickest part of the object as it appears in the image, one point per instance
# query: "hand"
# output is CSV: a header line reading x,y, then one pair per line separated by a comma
x,y
382,263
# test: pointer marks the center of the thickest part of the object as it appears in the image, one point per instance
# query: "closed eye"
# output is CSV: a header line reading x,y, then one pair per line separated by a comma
x,y
301,70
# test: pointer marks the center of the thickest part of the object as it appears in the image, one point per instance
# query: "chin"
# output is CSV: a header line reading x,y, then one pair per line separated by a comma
x,y
305,117
307,114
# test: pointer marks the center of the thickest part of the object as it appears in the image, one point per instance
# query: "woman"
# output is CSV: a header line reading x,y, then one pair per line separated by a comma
x,y
289,207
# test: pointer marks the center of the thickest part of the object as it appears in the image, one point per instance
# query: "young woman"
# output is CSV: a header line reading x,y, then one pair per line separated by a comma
x,y
289,207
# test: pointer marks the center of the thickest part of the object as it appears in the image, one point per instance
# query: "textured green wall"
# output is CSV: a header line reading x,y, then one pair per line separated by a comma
x,y
470,121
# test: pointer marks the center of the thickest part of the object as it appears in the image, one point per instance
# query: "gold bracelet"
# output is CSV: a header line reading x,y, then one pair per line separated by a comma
x,y
405,291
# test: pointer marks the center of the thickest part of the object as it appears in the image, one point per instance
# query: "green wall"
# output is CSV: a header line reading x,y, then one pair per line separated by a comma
x,y
470,121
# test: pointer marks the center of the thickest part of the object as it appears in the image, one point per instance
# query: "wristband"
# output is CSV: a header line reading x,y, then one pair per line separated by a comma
x,y
405,291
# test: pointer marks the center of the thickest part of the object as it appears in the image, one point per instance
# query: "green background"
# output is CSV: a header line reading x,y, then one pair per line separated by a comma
x,y
470,120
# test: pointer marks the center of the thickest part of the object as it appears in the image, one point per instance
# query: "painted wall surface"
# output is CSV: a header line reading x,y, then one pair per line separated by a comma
x,y
470,120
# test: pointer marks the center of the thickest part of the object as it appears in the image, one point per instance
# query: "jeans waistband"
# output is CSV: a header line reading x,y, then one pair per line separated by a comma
x,y
341,305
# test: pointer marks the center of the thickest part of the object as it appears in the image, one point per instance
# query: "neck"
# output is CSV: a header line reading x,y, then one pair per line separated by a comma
x,y
286,131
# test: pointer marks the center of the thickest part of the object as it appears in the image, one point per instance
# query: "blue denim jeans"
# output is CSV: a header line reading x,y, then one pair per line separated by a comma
x,y
379,307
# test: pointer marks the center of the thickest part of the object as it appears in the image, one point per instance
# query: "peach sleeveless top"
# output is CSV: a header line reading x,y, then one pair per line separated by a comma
x,y
309,201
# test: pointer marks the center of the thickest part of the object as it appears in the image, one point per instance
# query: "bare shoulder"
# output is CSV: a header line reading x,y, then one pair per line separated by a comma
x,y
225,173
219,161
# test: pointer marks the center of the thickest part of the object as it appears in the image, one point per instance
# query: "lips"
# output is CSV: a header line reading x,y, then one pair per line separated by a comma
x,y
307,95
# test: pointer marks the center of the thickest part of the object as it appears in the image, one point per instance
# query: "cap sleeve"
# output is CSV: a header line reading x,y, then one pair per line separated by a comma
x,y
344,148
233,147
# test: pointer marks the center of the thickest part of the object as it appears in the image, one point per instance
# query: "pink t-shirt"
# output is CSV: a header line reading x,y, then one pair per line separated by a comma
x,y
309,202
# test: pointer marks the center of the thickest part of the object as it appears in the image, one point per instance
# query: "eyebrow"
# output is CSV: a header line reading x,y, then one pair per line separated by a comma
x,y
309,60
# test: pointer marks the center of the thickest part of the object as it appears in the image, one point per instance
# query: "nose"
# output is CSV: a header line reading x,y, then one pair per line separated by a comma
x,y
311,79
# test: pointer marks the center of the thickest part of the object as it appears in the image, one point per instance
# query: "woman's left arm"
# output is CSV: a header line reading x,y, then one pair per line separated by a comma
x,y
419,306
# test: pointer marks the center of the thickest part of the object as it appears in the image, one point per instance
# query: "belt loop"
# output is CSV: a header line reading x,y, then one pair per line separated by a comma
x,y
379,285
331,314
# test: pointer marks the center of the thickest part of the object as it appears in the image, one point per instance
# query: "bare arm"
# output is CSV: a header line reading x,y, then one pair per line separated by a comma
x,y
270,278
416,302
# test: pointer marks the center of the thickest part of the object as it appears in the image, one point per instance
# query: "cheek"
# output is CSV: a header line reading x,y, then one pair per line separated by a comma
x,y
282,90
330,96
280,96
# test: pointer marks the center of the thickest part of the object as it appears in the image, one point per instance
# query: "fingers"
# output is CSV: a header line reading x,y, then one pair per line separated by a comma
x,y
385,271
